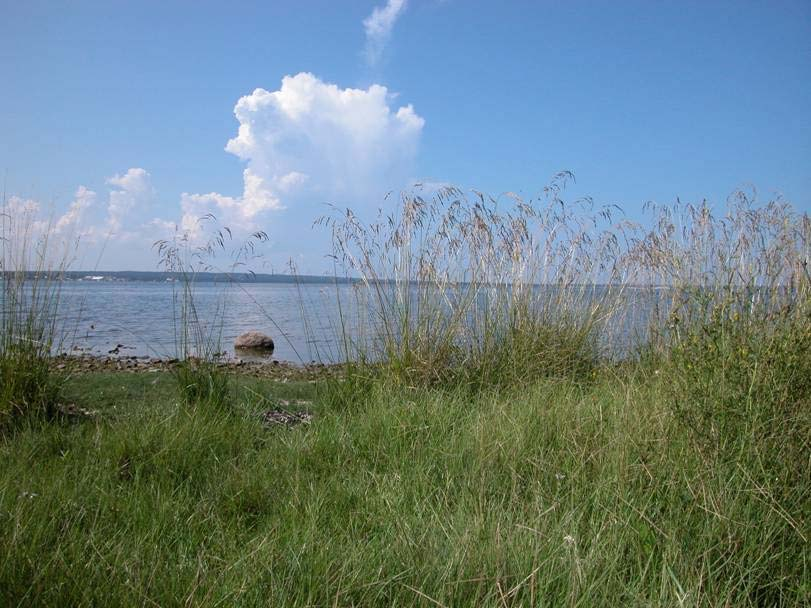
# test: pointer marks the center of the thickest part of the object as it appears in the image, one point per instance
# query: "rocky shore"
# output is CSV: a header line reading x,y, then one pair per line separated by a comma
x,y
271,368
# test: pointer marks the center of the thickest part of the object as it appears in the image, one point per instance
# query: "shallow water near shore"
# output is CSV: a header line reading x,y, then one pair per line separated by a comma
x,y
135,318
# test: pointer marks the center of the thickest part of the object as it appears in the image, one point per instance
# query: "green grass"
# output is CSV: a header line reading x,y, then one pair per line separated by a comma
x,y
560,494
29,386
31,267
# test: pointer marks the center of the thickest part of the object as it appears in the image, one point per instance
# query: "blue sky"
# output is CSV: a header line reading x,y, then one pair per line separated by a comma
x,y
115,117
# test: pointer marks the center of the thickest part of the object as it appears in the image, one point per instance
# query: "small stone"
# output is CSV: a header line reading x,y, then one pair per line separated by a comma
x,y
282,417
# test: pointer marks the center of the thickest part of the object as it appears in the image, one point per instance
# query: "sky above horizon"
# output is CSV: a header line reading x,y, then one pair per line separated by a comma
x,y
126,121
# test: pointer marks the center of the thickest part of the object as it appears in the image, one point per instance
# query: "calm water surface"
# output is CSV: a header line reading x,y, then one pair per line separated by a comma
x,y
139,318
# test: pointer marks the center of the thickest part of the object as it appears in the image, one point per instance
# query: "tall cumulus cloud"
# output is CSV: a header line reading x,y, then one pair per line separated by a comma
x,y
312,140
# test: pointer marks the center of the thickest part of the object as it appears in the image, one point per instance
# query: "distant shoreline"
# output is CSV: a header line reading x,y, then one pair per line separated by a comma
x,y
205,277
116,276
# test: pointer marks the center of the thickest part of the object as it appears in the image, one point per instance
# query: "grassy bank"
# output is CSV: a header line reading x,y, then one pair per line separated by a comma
x,y
564,494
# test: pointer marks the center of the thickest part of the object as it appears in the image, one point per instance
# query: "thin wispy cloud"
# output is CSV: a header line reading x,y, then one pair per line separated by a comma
x,y
378,27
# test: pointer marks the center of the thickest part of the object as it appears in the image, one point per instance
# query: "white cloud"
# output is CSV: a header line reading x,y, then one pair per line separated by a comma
x,y
378,28
131,190
17,206
129,195
35,236
28,217
72,218
291,180
194,207
312,141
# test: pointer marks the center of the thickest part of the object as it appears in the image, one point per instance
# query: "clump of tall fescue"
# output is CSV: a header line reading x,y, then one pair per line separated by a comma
x,y
734,339
470,290
198,338
746,262
458,288
31,270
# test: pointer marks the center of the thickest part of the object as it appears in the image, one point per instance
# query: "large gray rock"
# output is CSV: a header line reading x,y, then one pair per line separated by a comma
x,y
254,340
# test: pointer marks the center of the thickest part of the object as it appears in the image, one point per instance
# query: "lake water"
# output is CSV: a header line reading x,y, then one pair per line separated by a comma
x,y
138,318
141,316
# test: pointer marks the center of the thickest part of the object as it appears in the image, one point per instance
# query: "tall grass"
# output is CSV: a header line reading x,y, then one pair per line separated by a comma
x,y
472,290
32,265
735,335
747,264
465,288
198,338
732,352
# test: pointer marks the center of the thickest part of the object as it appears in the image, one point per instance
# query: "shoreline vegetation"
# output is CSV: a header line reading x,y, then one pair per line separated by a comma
x,y
477,446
